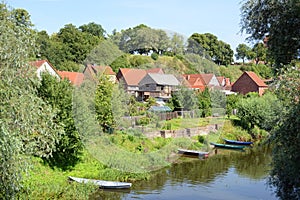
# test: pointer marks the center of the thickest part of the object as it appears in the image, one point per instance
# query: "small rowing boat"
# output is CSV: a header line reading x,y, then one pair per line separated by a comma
x,y
236,142
227,146
200,154
102,184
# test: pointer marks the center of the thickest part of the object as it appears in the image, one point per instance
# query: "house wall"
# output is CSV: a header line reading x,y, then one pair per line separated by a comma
x,y
46,68
214,81
245,85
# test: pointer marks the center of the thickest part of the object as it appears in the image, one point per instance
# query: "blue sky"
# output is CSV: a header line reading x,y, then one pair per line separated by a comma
x,y
219,17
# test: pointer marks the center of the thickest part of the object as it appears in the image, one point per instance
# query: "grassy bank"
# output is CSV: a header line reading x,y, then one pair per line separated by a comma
x,y
119,157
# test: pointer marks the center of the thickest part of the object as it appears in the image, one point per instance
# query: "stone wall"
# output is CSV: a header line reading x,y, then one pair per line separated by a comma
x,y
188,132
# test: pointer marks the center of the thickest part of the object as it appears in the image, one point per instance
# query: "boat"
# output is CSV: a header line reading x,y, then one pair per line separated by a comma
x,y
236,142
103,184
228,146
200,154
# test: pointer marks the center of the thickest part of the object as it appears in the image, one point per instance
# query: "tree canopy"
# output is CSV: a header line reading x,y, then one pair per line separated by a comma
x,y
208,44
277,22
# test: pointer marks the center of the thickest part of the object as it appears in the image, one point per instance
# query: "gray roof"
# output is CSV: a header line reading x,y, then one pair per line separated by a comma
x,y
164,79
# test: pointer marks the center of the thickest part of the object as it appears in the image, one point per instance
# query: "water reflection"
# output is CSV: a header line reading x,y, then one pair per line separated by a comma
x,y
228,173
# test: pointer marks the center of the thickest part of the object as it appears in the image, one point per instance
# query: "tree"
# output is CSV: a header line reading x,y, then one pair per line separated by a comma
x,y
263,112
103,104
204,102
26,125
184,98
219,51
243,52
105,53
58,94
177,44
259,52
276,21
93,29
285,163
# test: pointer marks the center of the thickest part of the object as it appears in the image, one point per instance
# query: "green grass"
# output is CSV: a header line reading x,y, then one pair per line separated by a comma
x,y
182,123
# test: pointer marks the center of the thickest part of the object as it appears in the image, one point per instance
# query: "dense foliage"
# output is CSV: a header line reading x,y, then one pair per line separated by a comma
x,y
208,45
58,94
284,174
263,112
278,22
26,125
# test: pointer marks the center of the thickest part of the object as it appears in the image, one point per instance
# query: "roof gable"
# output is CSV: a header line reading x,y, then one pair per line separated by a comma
x,y
163,79
256,79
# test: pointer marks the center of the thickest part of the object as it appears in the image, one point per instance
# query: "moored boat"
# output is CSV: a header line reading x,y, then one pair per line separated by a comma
x,y
236,142
228,146
193,153
103,184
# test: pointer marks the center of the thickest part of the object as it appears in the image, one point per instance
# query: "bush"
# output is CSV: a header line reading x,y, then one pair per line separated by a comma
x,y
154,56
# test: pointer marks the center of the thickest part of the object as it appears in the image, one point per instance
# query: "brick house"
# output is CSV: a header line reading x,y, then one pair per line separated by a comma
x,y
249,82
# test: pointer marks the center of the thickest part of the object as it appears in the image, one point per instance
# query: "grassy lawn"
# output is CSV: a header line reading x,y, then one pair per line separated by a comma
x,y
182,123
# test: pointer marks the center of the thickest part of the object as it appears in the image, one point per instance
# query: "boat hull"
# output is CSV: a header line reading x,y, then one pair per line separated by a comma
x,y
236,142
193,153
227,146
103,184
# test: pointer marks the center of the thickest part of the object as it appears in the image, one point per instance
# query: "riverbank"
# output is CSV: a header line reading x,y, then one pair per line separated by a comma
x,y
133,150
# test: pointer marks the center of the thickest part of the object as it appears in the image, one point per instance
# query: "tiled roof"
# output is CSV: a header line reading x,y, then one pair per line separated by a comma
x,y
107,70
76,78
207,78
155,70
133,76
164,79
194,80
220,79
256,79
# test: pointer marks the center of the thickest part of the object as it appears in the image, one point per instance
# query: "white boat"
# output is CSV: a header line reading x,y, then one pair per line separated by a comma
x,y
200,154
102,184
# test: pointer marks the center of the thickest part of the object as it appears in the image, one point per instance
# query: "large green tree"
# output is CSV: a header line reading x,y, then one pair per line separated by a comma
x,y
243,52
26,125
285,163
103,104
278,22
207,43
58,94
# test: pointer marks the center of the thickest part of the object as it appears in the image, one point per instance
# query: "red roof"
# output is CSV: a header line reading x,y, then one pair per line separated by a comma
x,y
206,78
256,79
195,81
133,76
76,78
221,79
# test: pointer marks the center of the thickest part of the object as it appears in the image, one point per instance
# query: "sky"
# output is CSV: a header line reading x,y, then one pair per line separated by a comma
x,y
219,17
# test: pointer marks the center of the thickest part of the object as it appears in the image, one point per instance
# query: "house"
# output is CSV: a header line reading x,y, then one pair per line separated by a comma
x,y
194,81
210,80
130,78
75,78
249,82
157,85
43,66
92,72
221,80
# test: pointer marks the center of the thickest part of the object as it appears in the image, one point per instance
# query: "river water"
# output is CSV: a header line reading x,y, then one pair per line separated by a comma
x,y
226,175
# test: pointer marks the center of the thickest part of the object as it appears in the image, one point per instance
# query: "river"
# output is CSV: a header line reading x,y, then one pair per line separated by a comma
x,y
226,175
